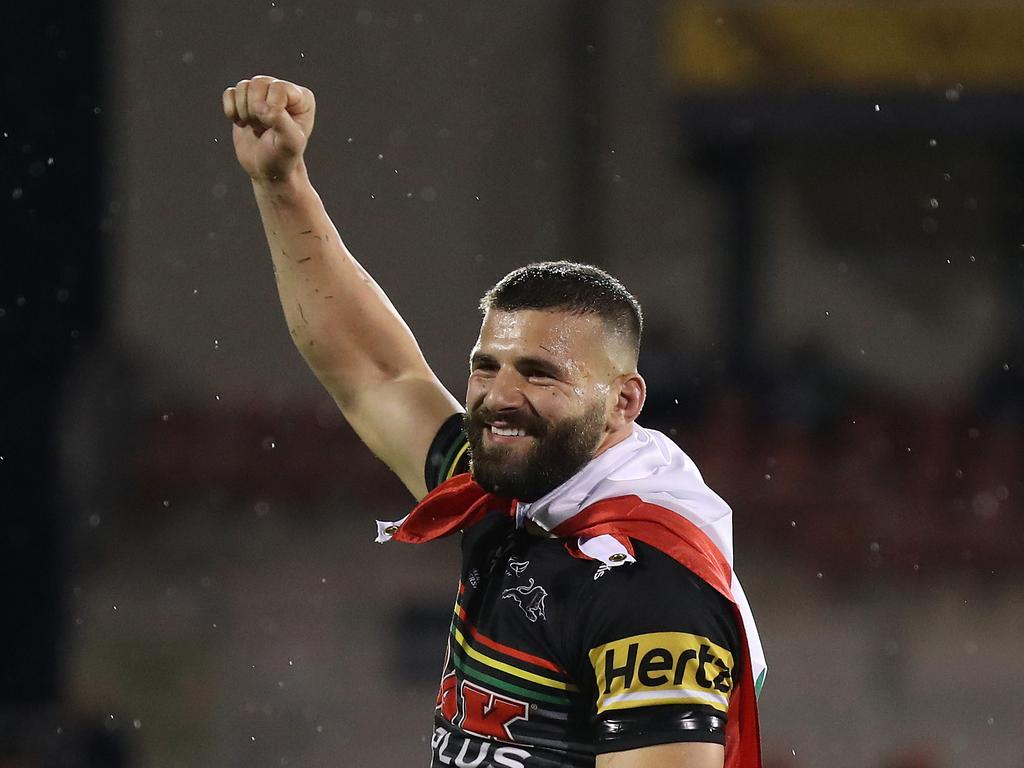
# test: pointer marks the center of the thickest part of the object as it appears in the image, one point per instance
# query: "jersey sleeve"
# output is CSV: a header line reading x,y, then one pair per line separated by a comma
x,y
658,650
449,453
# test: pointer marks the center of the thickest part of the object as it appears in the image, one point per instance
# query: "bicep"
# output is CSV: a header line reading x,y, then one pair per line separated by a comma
x,y
398,420
685,755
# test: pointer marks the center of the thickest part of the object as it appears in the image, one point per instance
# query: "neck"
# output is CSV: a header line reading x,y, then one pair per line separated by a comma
x,y
613,438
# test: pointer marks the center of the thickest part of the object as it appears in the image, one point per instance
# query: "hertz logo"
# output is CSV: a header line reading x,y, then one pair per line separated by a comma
x,y
662,668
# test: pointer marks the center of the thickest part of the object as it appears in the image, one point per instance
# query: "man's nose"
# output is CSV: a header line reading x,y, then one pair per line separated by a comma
x,y
505,392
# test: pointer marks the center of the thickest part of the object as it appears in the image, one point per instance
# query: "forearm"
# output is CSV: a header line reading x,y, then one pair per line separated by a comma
x,y
341,321
346,328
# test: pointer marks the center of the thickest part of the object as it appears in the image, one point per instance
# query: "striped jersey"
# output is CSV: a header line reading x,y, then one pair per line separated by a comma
x,y
553,659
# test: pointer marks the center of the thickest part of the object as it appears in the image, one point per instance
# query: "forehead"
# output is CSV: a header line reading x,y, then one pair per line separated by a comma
x,y
555,334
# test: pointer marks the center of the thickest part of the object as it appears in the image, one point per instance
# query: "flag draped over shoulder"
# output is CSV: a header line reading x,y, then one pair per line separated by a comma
x,y
644,488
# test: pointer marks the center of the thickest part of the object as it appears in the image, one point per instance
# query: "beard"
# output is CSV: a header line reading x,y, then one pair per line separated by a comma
x,y
560,449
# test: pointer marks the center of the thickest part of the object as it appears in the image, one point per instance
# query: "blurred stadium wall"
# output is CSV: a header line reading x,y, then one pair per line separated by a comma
x,y
819,206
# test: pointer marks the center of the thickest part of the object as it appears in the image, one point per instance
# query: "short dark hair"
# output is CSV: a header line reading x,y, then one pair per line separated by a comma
x,y
571,287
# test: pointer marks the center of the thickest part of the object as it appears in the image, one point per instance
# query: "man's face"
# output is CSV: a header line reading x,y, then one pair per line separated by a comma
x,y
538,399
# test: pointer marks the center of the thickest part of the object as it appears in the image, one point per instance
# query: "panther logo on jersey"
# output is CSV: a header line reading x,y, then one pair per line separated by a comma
x,y
530,598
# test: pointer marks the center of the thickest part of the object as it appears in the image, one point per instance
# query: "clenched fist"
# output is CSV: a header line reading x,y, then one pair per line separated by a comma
x,y
273,120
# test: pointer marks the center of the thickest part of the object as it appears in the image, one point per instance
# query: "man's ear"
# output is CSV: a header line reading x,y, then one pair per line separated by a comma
x,y
632,393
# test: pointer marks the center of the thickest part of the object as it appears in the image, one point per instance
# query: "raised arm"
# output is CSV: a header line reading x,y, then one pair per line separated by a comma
x,y
344,325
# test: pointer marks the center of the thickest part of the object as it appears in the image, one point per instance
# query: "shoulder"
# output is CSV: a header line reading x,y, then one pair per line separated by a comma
x,y
448,454
658,594
661,648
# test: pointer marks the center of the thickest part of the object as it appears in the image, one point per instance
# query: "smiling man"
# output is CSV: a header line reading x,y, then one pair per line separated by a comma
x,y
598,620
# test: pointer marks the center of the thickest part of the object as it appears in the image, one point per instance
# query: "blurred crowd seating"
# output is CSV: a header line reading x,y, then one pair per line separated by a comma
x,y
842,482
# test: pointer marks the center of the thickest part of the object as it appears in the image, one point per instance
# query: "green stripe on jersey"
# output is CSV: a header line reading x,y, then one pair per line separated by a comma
x,y
470,670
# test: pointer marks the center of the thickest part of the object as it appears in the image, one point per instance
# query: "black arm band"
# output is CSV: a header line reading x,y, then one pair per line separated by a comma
x,y
646,727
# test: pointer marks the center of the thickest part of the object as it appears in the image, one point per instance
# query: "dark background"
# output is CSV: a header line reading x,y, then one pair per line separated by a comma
x,y
819,206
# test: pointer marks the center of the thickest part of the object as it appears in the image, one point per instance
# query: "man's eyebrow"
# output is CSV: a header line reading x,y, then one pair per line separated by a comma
x,y
540,364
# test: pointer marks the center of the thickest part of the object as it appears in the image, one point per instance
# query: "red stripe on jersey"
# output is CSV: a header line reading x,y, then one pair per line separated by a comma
x,y
494,645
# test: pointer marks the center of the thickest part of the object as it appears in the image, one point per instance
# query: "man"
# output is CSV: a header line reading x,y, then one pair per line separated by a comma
x,y
598,622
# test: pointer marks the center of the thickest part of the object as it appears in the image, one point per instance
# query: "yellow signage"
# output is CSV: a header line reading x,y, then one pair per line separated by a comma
x,y
716,46
662,668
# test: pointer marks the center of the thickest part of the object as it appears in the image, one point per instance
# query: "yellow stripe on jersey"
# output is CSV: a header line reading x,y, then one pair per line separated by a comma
x,y
455,461
473,653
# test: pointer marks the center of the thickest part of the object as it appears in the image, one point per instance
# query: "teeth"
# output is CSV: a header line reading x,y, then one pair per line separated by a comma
x,y
511,432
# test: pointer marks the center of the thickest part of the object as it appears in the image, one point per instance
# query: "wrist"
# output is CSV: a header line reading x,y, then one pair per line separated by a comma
x,y
283,188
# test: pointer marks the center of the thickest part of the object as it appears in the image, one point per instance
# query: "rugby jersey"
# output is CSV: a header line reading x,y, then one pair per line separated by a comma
x,y
552,659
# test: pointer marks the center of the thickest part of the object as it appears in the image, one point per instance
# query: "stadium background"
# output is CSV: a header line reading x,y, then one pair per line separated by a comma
x,y
820,206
